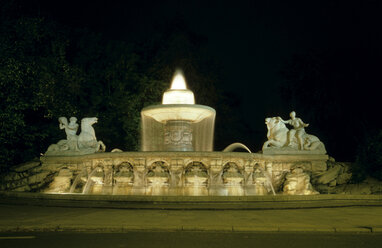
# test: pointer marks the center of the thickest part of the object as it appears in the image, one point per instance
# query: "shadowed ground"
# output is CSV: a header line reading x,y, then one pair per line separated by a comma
x,y
189,239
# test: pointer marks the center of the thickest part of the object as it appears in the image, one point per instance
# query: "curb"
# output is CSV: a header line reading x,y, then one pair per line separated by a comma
x,y
125,229
377,229
189,202
353,229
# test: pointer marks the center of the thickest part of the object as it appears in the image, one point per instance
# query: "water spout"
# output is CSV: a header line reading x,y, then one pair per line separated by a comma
x,y
266,174
76,181
270,182
89,182
235,146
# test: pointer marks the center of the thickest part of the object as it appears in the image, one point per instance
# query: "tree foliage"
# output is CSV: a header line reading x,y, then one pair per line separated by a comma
x,y
36,84
48,70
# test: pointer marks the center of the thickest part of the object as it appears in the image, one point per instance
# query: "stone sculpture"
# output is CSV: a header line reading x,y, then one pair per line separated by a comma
x,y
71,132
298,130
297,182
296,140
84,143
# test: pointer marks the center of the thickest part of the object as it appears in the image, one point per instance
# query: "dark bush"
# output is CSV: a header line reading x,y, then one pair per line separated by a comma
x,y
369,157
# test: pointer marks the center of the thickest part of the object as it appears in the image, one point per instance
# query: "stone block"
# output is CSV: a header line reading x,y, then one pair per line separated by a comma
x,y
9,177
277,166
38,177
344,178
176,162
287,166
22,188
319,166
26,166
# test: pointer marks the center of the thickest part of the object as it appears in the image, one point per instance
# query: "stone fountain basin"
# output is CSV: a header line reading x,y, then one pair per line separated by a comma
x,y
189,202
157,180
123,179
186,112
233,180
178,163
195,180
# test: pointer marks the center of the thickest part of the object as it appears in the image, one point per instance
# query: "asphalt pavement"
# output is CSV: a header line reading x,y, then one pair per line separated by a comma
x,y
18,218
189,239
31,212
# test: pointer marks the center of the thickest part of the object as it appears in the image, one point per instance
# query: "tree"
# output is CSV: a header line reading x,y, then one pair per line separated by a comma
x,y
48,70
36,84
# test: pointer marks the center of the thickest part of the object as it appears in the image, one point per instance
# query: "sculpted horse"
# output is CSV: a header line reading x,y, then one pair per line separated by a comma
x,y
84,143
278,137
87,138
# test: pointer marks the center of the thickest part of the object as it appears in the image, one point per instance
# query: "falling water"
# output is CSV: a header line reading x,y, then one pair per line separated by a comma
x,y
269,181
178,124
235,146
89,182
76,181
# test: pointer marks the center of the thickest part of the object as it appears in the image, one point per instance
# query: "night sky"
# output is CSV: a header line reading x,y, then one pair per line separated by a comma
x,y
253,40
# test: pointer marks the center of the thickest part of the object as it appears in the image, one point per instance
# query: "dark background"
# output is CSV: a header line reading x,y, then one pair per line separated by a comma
x,y
250,60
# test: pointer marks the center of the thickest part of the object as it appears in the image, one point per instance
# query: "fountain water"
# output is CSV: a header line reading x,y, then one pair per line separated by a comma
x,y
77,180
235,146
94,178
178,124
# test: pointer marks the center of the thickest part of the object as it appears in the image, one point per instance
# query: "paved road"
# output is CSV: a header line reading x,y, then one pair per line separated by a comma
x,y
34,218
189,239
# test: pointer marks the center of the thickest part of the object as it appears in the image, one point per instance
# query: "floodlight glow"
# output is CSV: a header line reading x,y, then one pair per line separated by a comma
x,y
178,93
178,82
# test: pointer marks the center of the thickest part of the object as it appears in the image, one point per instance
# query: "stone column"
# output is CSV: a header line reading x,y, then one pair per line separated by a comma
x,y
108,180
176,170
216,168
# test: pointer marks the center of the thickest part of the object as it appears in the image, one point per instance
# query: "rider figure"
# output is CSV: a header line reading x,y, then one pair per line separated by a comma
x,y
298,129
70,130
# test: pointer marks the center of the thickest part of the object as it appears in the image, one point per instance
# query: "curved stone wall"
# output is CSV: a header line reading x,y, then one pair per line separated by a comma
x,y
147,172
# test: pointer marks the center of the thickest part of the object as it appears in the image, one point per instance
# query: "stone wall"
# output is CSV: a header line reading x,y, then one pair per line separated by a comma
x,y
29,176
61,171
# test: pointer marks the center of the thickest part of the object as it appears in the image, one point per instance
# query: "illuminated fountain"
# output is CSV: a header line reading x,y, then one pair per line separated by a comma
x,y
178,124
177,157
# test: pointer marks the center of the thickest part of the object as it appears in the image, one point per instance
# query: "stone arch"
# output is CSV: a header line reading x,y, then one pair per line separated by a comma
x,y
230,164
158,168
196,164
196,173
232,173
123,165
123,173
119,161
239,162
156,163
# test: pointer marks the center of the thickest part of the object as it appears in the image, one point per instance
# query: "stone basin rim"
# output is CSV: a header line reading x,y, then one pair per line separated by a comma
x,y
186,112
258,155
257,198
